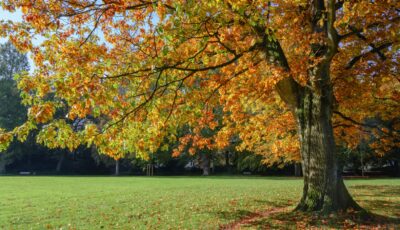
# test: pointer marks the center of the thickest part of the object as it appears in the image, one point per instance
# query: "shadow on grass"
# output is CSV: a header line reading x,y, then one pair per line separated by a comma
x,y
381,199
235,215
376,190
372,198
234,177
245,214
238,218
290,220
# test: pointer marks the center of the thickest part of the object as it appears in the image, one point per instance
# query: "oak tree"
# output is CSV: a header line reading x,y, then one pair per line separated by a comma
x,y
294,78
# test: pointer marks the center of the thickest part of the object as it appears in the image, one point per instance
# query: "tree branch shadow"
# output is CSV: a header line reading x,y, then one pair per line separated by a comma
x,y
290,219
383,200
280,215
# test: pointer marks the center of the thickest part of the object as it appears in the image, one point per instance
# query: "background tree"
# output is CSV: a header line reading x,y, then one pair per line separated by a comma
x,y
305,74
12,112
11,61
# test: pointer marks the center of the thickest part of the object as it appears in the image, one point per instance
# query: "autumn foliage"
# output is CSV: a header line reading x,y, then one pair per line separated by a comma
x,y
139,70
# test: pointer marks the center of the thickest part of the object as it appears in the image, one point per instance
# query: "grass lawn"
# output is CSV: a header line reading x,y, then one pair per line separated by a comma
x,y
168,202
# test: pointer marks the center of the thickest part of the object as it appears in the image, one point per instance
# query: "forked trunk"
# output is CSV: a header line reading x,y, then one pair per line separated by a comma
x,y
324,189
312,106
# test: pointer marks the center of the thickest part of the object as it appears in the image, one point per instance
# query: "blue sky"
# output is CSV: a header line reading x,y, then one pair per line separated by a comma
x,y
5,15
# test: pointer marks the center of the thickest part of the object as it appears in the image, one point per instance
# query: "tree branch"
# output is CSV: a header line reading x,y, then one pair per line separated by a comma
x,y
362,37
355,59
354,121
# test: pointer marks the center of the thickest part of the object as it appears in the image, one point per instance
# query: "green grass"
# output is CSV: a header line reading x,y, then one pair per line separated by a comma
x,y
163,202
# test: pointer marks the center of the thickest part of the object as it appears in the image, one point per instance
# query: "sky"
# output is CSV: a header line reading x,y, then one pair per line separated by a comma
x,y
5,15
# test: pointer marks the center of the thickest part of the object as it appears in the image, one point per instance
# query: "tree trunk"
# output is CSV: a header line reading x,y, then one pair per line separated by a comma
x,y
117,167
312,106
324,189
227,159
61,161
2,166
205,164
297,169
396,168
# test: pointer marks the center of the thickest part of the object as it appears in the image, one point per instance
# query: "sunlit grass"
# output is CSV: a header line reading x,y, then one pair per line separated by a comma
x,y
161,202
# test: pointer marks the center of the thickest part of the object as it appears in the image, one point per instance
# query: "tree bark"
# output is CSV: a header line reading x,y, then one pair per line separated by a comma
x,y
323,189
312,107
